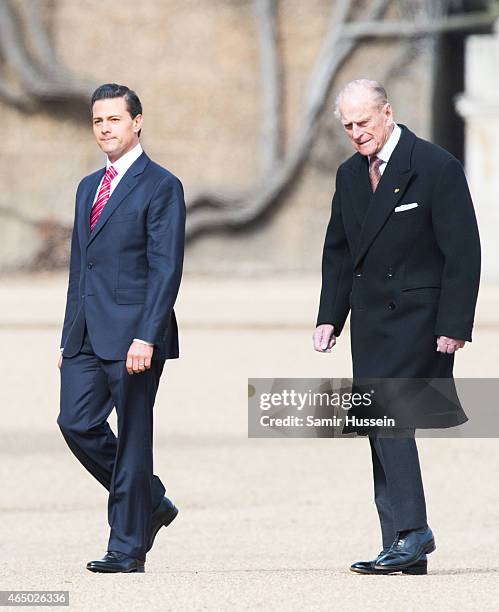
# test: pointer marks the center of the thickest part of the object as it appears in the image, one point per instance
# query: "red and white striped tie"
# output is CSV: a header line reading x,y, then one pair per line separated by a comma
x,y
102,197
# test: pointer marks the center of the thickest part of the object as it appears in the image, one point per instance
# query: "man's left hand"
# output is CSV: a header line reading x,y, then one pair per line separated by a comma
x,y
139,357
449,345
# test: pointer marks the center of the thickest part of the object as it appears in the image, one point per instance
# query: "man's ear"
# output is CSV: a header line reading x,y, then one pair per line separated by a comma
x,y
138,121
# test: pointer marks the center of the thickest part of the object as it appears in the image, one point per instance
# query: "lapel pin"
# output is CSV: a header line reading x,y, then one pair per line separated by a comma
x,y
396,190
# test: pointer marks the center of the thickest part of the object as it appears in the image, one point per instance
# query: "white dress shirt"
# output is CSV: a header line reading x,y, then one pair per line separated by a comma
x,y
121,165
388,147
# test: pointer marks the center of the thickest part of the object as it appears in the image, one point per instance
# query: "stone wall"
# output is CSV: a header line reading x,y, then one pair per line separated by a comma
x,y
195,65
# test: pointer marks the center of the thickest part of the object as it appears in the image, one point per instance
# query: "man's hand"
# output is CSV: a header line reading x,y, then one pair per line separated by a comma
x,y
324,338
138,358
449,345
59,364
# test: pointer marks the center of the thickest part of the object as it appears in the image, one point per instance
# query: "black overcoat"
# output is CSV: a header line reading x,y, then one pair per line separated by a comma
x,y
405,276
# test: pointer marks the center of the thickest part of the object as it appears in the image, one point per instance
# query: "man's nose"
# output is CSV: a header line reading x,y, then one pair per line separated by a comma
x,y
356,132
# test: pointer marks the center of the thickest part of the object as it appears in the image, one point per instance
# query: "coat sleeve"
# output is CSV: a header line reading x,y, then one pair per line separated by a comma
x,y
337,269
456,232
165,255
72,299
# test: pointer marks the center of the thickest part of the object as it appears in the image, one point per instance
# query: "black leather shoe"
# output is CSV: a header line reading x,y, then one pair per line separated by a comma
x,y
113,562
406,550
368,567
162,516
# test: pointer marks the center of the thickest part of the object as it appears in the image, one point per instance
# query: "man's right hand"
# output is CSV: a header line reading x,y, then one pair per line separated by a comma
x,y
60,362
324,338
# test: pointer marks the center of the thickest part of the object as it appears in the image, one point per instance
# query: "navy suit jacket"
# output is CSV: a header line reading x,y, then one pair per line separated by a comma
x,y
124,275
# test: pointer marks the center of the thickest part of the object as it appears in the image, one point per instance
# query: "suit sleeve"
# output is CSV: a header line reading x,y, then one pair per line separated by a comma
x,y
456,231
165,255
337,270
72,299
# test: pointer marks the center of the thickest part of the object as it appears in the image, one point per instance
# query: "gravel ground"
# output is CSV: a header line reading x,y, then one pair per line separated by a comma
x,y
264,524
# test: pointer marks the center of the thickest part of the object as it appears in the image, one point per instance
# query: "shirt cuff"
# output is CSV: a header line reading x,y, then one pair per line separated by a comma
x,y
143,342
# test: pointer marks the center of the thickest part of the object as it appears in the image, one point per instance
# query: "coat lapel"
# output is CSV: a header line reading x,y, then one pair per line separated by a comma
x,y
359,188
126,184
394,181
87,199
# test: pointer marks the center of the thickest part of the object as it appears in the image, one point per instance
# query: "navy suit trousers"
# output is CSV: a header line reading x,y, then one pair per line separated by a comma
x,y
90,388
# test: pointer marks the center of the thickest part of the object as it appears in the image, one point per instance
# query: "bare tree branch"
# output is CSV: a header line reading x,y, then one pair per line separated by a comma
x,y
333,54
54,238
46,80
36,33
62,81
271,85
16,214
15,98
401,29
14,54
395,67
214,210
210,210
325,65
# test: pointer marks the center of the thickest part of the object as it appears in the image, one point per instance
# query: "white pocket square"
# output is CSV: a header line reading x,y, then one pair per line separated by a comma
x,y
406,206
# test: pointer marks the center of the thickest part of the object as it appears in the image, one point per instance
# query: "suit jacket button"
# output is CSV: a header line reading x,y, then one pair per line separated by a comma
x,y
90,266
392,306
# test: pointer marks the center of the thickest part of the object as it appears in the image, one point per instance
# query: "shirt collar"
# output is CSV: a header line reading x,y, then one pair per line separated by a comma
x,y
122,164
387,149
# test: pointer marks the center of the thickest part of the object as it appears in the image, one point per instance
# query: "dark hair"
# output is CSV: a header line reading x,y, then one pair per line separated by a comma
x,y
113,90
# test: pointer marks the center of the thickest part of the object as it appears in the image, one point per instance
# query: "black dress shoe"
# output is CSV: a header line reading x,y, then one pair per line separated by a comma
x,y
113,562
162,516
407,550
368,567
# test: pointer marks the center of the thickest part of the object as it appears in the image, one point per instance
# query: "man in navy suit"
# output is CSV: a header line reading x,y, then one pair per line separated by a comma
x,y
126,260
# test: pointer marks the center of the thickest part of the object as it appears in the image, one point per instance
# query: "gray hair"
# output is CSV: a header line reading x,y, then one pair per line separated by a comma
x,y
376,89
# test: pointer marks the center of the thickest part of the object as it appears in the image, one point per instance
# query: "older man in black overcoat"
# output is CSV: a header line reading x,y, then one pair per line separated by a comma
x,y
402,255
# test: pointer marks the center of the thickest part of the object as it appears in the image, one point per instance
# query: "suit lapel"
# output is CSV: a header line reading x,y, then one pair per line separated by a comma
x,y
391,188
87,198
126,184
360,189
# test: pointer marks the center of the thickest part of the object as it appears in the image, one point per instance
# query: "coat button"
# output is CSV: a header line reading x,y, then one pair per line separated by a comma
x,y
90,266
392,306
